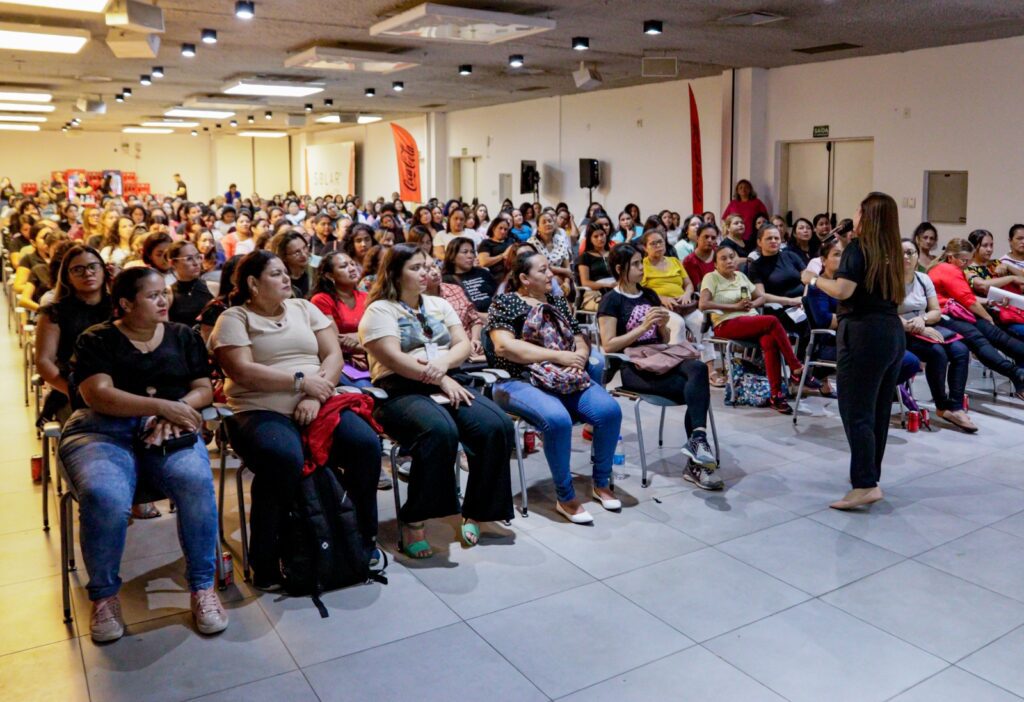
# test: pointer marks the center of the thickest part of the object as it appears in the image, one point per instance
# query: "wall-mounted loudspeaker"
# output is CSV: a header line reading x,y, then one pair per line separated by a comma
x,y
529,178
590,173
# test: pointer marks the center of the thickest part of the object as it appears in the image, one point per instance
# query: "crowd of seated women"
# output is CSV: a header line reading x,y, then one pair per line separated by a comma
x,y
293,296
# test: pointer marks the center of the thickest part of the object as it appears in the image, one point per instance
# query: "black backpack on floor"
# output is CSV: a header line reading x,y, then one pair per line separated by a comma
x,y
321,548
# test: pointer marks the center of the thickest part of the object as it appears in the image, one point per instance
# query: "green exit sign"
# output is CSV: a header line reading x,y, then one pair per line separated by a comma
x,y
820,131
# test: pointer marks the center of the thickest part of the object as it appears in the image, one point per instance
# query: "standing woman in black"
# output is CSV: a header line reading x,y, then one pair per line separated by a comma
x,y
869,288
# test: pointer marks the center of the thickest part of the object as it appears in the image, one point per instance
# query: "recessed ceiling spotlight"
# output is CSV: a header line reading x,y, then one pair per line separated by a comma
x,y
127,92
218,125
250,119
245,10
515,61
194,133
398,86
64,129
209,36
309,107
75,121
268,114
157,72
328,102
580,43
145,79
206,129
465,69
653,27
119,97
188,50
370,92
233,123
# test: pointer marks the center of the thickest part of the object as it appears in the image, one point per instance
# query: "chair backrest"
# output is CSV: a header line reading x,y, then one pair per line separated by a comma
x,y
812,319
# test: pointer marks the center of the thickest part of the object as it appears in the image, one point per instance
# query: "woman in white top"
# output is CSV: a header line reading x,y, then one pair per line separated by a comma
x,y
117,244
414,343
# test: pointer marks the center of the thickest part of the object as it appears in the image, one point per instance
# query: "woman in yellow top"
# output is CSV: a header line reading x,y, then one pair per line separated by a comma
x,y
667,278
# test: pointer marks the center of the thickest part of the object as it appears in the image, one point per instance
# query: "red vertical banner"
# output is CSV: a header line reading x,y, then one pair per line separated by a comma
x,y
696,164
408,157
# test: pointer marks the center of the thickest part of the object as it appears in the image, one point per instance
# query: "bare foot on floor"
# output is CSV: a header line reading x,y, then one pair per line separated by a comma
x,y
858,497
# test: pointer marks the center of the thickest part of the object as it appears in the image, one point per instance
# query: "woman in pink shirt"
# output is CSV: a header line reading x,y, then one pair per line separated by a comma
x,y
746,204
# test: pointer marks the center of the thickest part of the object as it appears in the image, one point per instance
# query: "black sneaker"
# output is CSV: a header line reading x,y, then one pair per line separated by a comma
x,y
699,451
780,405
702,476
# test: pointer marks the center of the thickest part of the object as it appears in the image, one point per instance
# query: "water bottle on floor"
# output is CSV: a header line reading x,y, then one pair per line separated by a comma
x,y
619,461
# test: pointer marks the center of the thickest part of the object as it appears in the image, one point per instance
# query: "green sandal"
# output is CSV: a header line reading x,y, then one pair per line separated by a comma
x,y
417,549
470,533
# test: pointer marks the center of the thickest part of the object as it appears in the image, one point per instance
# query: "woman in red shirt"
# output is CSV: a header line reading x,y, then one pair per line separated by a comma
x,y
746,204
981,336
335,295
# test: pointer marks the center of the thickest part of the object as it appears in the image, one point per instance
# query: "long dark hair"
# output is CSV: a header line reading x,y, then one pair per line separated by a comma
x,y
126,286
387,284
63,287
151,243
452,250
348,244
324,283
521,266
879,238
252,265
619,259
736,189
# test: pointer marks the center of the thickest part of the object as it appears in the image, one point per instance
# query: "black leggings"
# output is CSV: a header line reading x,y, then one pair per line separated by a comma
x,y
986,340
870,354
686,384
271,446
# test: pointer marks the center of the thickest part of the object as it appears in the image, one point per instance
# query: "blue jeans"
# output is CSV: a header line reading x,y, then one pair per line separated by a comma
x,y
98,454
553,415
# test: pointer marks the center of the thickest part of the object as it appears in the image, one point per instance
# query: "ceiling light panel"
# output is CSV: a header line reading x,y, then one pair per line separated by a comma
x,y
73,5
263,134
447,23
324,58
187,113
25,107
19,127
19,96
272,88
21,118
147,130
368,119
171,123
34,37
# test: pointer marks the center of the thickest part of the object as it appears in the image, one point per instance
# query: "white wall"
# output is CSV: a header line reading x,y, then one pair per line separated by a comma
x,y
29,157
376,167
641,136
950,108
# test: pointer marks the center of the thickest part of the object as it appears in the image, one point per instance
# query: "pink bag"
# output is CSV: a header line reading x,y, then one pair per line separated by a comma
x,y
661,358
955,310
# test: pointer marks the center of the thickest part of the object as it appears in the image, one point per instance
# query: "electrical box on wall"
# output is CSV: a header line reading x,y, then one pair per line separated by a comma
x,y
945,196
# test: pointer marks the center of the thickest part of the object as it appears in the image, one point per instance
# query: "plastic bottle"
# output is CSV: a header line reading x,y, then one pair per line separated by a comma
x,y
620,454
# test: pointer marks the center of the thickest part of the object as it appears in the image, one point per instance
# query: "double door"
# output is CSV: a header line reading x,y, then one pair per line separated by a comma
x,y
826,176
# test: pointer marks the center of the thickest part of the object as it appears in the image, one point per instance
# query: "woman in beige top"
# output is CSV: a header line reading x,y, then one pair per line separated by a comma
x,y
280,356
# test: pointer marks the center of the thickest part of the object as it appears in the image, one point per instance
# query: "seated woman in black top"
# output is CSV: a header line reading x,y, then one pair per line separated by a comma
x,y
593,268
292,249
632,316
491,251
460,267
189,293
778,270
803,242
143,380
80,301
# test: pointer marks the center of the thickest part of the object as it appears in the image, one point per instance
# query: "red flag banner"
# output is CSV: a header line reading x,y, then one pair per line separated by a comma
x,y
696,164
408,157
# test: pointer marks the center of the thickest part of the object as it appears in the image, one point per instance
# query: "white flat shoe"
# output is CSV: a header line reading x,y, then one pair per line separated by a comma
x,y
583,517
612,505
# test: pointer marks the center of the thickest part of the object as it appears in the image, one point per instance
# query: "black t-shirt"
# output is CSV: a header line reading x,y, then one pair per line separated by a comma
x,y
740,249
321,248
300,286
629,313
169,369
480,287
509,312
72,317
495,248
779,274
31,260
597,265
39,278
189,300
863,302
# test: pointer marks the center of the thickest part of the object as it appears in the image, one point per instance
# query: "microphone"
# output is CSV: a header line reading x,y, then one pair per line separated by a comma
x,y
844,228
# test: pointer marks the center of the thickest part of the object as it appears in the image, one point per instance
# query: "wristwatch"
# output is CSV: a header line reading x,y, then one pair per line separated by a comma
x,y
299,377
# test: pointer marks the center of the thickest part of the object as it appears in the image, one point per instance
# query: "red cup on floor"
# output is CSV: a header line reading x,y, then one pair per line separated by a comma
x,y
37,468
530,441
913,421
967,403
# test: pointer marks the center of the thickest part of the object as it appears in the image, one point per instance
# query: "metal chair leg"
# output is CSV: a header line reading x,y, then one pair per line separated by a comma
x,y
223,484
394,490
640,440
661,428
714,433
66,555
803,379
524,508
240,487
45,480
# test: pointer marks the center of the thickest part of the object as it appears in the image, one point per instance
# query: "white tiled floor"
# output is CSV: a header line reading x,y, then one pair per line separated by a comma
x,y
755,593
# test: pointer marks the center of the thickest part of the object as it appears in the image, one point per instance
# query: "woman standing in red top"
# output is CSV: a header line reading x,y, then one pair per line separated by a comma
x,y
981,336
336,296
746,204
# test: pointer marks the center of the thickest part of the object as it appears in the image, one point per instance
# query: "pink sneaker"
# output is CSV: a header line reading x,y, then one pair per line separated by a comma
x,y
106,623
208,612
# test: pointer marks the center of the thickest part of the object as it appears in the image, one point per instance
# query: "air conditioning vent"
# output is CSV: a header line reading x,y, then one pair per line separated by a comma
x,y
659,67
827,48
751,19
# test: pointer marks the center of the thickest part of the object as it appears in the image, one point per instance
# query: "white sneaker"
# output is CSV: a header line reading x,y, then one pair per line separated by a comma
x,y
106,623
578,518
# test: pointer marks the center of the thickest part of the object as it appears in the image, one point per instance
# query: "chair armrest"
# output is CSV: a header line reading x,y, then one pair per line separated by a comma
x,y
375,393
486,377
51,430
210,413
823,332
347,390
498,373
37,380
617,356
223,410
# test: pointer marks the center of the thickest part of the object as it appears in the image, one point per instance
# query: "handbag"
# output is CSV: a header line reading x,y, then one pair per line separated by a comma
x,y
1010,315
661,358
948,336
544,326
955,310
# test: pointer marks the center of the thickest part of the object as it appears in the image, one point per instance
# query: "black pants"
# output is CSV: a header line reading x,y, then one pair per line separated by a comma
x,y
870,352
432,433
986,340
271,446
686,384
943,363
